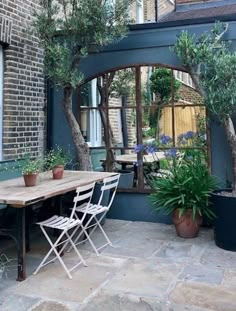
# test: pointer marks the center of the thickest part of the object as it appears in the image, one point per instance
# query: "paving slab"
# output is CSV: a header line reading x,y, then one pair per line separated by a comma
x,y
145,278
179,252
202,274
217,298
149,268
107,301
14,302
133,246
217,257
45,305
51,282
229,279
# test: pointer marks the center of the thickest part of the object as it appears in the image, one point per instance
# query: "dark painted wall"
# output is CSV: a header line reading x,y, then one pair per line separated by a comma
x,y
150,45
145,44
139,208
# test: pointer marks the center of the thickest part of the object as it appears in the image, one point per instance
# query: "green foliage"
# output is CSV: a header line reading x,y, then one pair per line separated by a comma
x,y
30,165
123,83
161,84
213,68
186,185
57,157
70,29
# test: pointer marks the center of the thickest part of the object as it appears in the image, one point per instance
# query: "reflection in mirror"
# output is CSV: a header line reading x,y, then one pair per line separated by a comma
x,y
171,109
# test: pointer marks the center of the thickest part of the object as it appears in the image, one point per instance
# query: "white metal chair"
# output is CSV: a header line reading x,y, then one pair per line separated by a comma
x,y
96,213
64,224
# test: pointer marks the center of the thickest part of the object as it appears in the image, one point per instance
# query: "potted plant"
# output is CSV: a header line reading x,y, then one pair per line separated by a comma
x,y
30,169
212,67
56,160
184,190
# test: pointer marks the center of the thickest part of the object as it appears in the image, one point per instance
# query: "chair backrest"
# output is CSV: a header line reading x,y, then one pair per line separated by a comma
x,y
109,184
83,196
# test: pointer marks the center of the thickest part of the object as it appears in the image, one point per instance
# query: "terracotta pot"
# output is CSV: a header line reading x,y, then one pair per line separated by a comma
x,y
57,172
185,226
30,179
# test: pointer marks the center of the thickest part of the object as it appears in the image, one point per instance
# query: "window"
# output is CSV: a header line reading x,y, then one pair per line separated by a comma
x,y
1,98
139,11
89,116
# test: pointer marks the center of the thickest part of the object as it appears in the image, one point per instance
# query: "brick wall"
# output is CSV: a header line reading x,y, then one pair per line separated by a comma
x,y
163,7
24,119
189,94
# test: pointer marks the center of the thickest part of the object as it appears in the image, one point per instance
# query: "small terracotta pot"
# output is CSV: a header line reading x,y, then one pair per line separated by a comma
x,y
30,179
185,226
57,172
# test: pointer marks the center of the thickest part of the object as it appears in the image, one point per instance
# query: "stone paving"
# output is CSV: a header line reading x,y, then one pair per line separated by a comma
x,y
148,269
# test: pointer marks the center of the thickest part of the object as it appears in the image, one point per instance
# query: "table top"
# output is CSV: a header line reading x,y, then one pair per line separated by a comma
x,y
14,192
132,157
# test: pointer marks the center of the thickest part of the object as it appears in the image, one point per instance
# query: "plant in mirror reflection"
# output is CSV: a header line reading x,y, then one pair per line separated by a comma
x,y
189,147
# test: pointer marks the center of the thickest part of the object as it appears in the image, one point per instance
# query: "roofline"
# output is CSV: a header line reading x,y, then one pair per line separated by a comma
x,y
185,22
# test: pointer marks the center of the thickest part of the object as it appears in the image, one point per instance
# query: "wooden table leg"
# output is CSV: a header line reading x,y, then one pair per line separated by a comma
x,y
21,244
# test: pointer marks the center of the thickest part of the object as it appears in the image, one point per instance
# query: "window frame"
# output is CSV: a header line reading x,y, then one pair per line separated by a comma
x,y
1,100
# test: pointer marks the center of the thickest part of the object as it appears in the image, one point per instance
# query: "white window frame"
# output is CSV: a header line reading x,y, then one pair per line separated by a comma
x,y
1,97
139,12
95,126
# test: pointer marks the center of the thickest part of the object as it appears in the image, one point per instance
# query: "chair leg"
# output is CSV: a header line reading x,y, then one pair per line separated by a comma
x,y
88,235
53,249
77,252
104,233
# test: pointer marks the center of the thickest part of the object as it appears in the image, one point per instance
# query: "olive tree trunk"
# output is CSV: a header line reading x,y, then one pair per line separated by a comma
x,y
82,148
103,85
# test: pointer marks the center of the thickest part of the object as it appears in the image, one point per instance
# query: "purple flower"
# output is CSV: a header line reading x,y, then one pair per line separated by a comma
x,y
171,153
189,135
151,149
165,139
139,148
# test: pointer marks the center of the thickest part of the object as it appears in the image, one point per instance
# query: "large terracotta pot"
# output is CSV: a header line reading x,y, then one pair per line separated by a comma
x,y
30,179
57,172
185,226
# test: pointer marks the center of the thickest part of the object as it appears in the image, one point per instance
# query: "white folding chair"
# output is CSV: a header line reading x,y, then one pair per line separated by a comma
x,y
95,214
64,224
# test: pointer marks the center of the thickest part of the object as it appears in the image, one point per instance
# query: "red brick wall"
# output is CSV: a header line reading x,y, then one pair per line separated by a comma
x,y
24,119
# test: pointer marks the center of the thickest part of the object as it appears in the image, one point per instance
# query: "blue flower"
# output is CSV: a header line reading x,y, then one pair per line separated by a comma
x,y
139,148
151,149
165,139
189,135
171,153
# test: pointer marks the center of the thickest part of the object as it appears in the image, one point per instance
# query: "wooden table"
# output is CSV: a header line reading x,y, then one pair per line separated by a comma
x,y
127,159
14,193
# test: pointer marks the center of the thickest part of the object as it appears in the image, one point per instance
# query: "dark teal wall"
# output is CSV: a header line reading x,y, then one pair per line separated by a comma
x,y
150,45
135,207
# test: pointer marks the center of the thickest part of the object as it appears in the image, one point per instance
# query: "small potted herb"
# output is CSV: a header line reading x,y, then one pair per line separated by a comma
x,y
56,160
30,169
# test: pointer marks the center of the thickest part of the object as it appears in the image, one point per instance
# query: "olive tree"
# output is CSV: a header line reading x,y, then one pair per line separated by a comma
x,y
212,66
68,31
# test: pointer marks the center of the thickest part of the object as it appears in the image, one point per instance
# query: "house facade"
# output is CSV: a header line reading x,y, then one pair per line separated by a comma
x,y
22,83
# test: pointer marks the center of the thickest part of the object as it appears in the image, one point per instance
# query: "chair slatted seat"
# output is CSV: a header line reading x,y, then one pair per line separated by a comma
x,y
95,214
64,224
